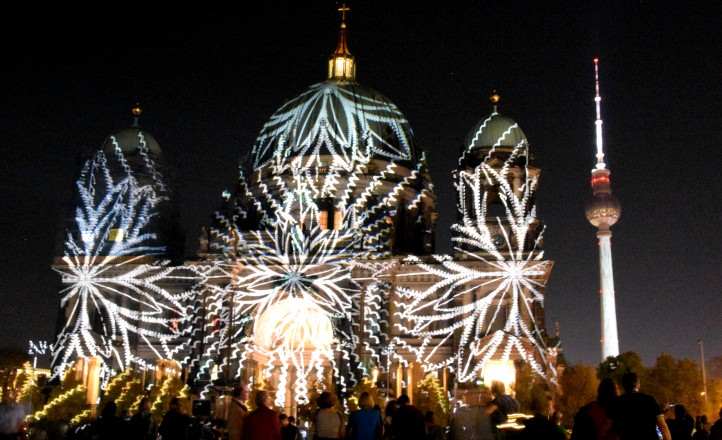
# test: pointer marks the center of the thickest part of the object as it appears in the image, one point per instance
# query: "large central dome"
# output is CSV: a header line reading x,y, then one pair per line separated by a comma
x,y
341,119
338,156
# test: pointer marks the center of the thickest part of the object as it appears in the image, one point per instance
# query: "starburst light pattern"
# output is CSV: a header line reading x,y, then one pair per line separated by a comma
x,y
117,296
486,299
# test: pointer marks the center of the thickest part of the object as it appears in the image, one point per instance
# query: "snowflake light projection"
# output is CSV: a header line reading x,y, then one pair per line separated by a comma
x,y
341,119
297,260
485,300
284,198
109,299
289,295
116,297
330,169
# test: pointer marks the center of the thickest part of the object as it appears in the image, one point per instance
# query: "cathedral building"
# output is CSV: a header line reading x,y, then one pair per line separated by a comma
x,y
318,268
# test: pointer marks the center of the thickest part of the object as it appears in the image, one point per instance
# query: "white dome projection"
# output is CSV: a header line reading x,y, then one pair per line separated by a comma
x,y
343,120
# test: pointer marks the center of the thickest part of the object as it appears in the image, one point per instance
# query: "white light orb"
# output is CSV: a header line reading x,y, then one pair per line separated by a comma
x,y
502,370
294,324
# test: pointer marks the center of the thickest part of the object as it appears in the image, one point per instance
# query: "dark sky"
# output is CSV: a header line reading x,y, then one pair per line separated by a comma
x,y
208,81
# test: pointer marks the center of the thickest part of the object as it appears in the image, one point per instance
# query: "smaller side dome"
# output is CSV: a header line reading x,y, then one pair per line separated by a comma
x,y
495,131
132,139
129,140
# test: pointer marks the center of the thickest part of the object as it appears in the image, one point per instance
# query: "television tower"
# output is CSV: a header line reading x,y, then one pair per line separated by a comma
x,y
603,211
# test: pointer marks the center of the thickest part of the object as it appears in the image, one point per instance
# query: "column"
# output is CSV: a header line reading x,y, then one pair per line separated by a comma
x,y
410,382
610,340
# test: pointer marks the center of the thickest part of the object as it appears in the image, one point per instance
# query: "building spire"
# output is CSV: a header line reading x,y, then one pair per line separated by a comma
x,y
494,98
341,64
136,111
598,122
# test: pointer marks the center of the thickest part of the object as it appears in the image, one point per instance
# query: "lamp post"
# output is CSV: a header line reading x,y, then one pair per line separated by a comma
x,y
704,374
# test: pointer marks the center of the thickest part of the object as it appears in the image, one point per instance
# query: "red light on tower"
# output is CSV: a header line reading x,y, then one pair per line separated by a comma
x,y
600,180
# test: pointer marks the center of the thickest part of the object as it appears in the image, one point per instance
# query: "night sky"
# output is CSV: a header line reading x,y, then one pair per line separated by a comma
x,y
208,81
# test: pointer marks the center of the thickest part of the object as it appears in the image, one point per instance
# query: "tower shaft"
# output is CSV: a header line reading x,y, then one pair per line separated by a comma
x,y
609,338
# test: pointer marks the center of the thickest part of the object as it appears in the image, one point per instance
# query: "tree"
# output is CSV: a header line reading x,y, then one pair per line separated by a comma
x,y
364,385
10,362
530,387
616,367
579,386
524,384
162,394
714,367
673,380
429,396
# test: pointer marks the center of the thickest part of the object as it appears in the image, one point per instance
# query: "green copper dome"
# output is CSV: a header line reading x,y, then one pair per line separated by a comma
x,y
495,131
130,140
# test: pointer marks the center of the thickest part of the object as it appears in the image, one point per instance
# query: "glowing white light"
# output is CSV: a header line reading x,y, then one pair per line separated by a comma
x,y
484,302
610,339
332,118
502,370
111,291
291,281
294,323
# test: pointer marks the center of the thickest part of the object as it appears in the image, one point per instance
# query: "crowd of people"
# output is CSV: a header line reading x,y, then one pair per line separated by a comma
x,y
637,416
481,415
400,420
483,412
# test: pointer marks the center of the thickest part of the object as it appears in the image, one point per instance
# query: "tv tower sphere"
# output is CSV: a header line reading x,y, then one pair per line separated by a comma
x,y
603,210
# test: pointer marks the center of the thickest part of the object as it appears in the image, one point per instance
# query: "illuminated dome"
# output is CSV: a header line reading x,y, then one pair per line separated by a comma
x,y
495,131
341,119
293,324
129,141
343,155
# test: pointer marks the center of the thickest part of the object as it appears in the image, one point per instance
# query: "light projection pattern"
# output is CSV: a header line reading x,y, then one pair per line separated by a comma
x,y
115,298
280,278
215,331
371,323
362,201
316,158
485,301
109,301
334,118
39,348
285,198
113,215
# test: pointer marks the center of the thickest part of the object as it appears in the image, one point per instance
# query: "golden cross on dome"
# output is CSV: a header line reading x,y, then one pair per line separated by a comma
x,y
341,64
343,9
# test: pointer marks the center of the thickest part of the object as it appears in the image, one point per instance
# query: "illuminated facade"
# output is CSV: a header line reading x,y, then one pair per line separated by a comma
x,y
603,211
318,268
